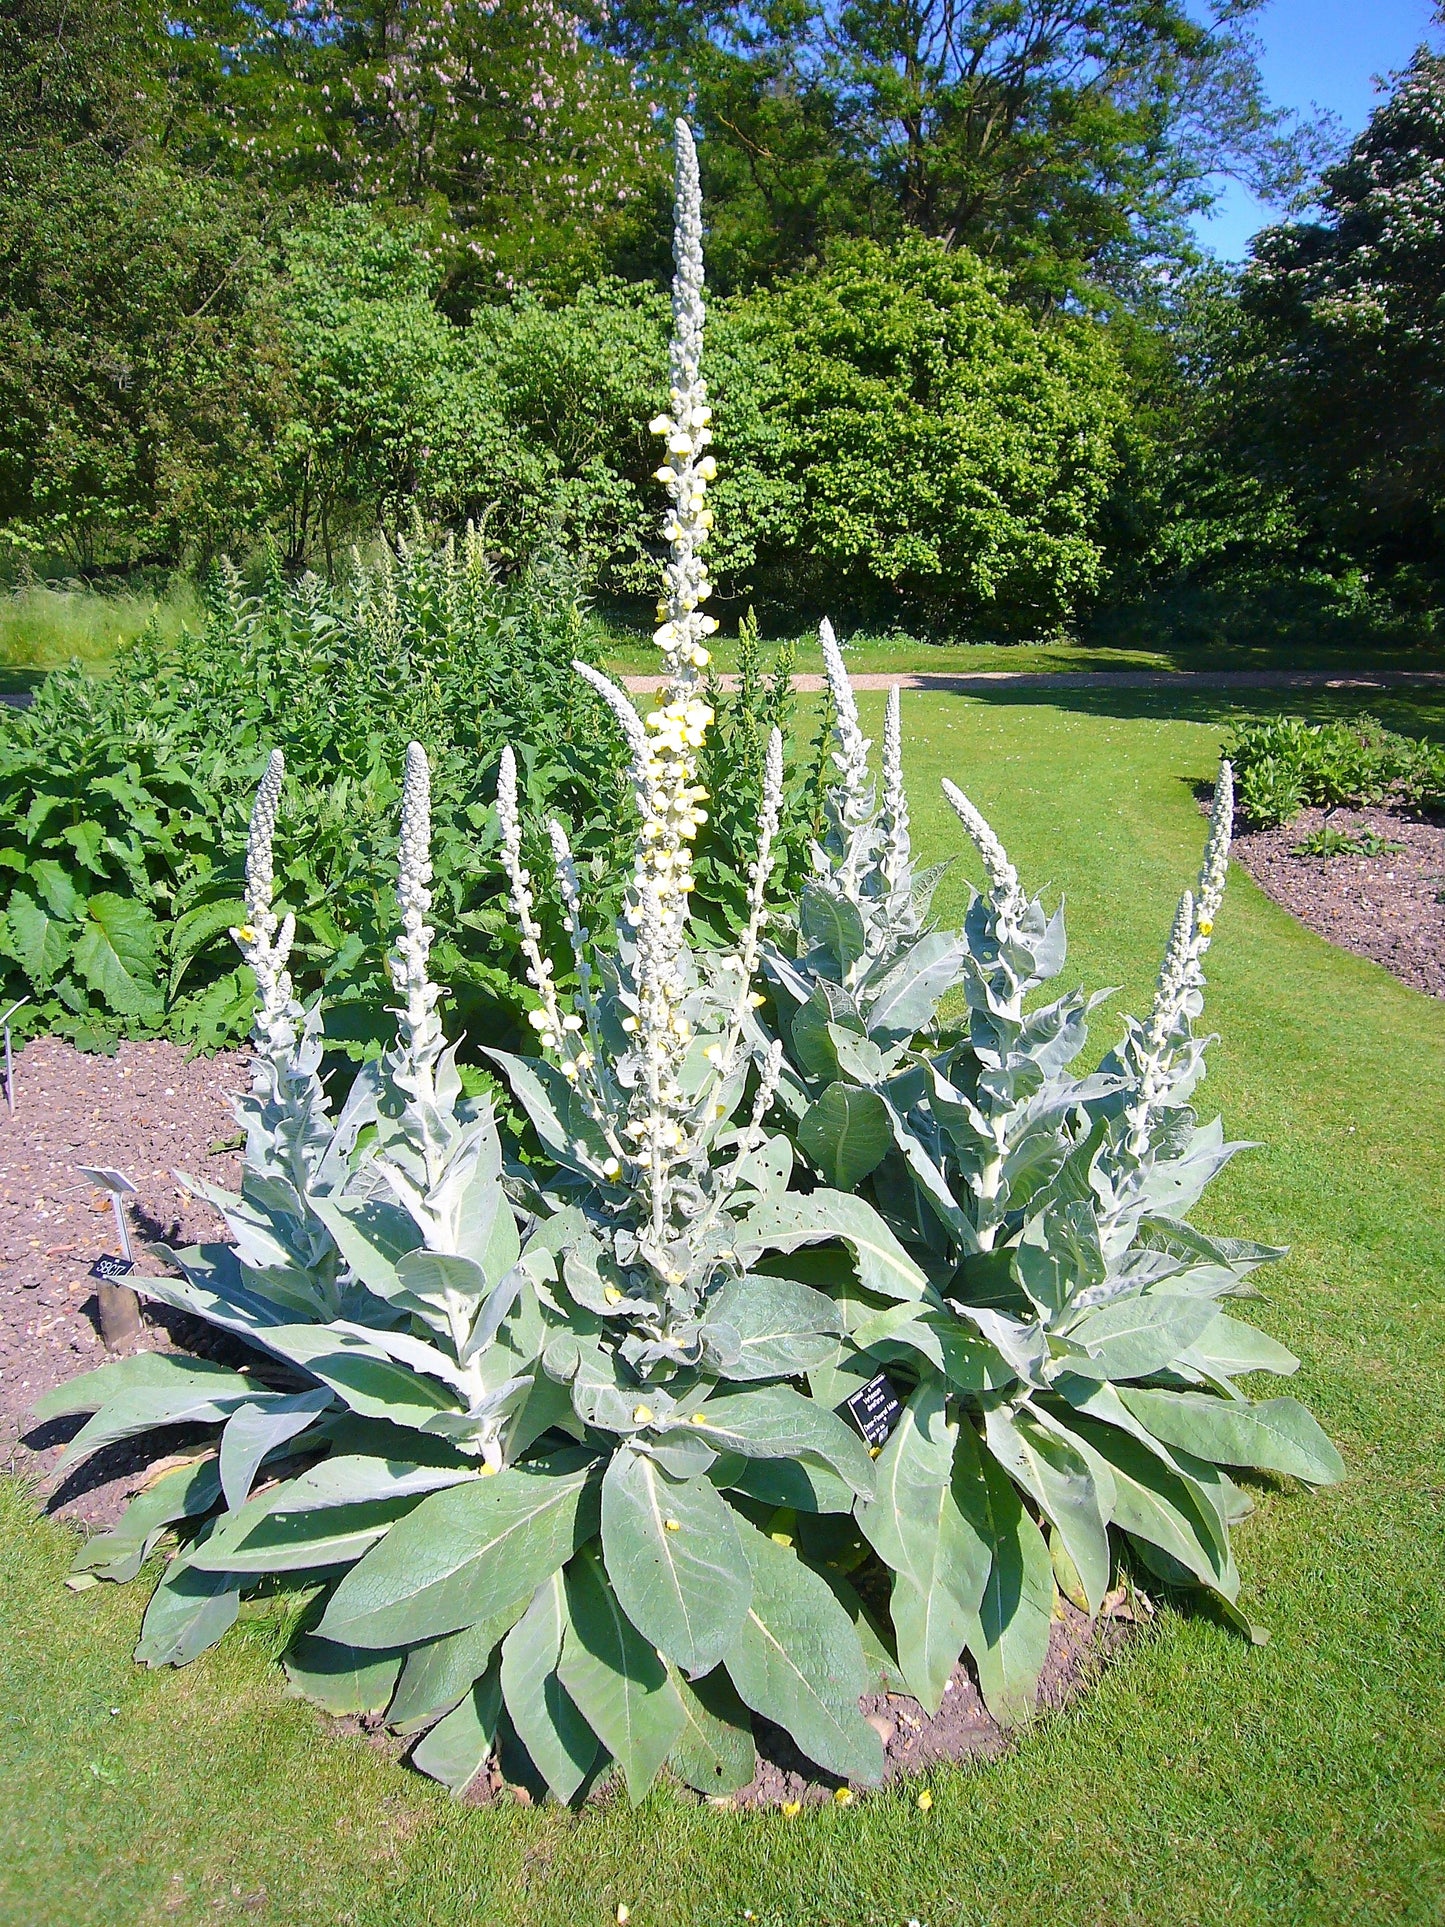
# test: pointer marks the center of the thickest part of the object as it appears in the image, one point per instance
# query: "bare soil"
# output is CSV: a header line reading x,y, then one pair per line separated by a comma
x,y
1388,908
145,1112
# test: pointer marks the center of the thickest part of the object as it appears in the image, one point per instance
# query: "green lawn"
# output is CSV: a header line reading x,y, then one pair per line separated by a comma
x,y
1202,1781
43,627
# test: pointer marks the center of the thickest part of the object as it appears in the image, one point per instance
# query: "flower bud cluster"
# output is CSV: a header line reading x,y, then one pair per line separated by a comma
x,y
686,435
420,1039
1008,900
265,948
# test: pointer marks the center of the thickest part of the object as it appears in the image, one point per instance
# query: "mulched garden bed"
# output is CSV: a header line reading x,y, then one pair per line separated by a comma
x,y
150,1110
146,1111
1388,908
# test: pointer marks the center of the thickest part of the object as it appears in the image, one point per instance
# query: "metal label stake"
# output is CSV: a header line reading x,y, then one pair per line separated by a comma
x,y
120,1318
9,1060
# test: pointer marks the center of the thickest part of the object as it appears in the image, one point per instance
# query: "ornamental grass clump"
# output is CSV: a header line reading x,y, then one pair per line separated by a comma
x,y
551,1432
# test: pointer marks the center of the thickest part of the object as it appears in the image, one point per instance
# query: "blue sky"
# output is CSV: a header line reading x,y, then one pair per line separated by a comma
x,y
1327,53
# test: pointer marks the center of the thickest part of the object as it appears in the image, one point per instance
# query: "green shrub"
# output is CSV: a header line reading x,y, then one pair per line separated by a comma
x,y
1285,765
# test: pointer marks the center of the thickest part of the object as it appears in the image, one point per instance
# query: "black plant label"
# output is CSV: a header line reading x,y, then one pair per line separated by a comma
x,y
108,1269
875,1410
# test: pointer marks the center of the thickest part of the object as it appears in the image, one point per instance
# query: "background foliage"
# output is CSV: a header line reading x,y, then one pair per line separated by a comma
x,y
285,271
125,800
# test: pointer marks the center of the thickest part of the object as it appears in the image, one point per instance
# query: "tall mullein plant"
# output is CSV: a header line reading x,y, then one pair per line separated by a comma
x,y
655,1055
1069,1370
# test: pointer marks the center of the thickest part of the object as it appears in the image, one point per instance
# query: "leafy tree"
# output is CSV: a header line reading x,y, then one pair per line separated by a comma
x,y
1340,370
142,377
1068,141
528,144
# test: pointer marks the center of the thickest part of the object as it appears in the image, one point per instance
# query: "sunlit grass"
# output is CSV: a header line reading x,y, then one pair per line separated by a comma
x,y
44,627
1202,1781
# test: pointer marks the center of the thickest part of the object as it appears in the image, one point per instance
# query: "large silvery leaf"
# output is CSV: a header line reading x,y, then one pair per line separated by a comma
x,y
457,1748
675,1560
906,999
363,1375
144,1371
188,1613
1140,1336
783,1327
1017,1606
1160,1505
1279,1435
130,1413
1230,1347
116,954
259,1539
260,1427
615,1677
938,1558
341,1680
832,924
783,1224
775,1422
184,1492
714,1752
1077,1501
561,1744
846,1133
373,1236
465,1553
440,1674
797,1661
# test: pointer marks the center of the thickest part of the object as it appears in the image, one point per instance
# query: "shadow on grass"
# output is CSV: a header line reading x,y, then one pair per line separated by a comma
x,y
1411,711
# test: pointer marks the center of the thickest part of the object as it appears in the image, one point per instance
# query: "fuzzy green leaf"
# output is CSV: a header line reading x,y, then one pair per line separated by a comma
x,y
775,1422
615,1677
798,1662
847,1133
115,953
674,1559
714,1752
341,1679
938,1558
561,1744
1054,1473
458,1747
465,1553
1279,1435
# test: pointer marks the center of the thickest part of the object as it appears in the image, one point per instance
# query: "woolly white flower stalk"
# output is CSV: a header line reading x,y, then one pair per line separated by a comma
x,y
1003,878
895,861
547,1021
686,433
848,849
745,963
420,1039
278,1015
1178,995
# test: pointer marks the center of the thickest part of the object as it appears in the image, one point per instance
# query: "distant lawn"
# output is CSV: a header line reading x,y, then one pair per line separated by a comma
x,y
44,627
1201,1782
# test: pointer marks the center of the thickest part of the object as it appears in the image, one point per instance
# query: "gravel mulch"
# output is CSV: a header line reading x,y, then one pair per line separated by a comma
x,y
145,1112
1387,908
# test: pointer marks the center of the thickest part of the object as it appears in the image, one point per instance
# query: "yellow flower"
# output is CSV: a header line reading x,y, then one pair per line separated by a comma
x,y
612,1295
792,1808
246,933
672,1525
1206,924
925,1801
844,1796
642,1415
